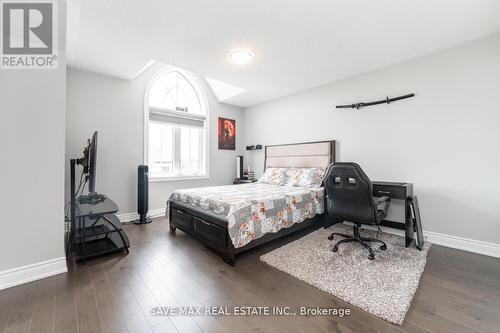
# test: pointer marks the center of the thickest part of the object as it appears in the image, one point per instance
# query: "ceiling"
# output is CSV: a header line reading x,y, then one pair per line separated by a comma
x,y
297,44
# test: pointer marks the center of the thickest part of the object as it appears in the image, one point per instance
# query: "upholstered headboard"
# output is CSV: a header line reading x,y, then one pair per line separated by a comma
x,y
300,155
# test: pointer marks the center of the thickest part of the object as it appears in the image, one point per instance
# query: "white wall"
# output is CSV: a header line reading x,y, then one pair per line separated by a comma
x,y
115,108
32,119
445,140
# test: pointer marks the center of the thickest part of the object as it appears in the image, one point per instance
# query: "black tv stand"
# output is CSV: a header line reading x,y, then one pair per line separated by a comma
x,y
95,229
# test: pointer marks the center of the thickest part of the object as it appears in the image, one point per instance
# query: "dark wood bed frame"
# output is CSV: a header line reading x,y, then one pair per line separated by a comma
x,y
213,231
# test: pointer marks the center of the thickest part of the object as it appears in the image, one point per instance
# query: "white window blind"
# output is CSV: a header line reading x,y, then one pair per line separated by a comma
x,y
176,117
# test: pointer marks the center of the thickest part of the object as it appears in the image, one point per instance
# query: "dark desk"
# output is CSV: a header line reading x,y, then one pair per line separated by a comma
x,y
412,224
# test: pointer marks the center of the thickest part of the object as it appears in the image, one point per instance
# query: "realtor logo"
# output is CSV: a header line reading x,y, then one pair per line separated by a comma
x,y
29,36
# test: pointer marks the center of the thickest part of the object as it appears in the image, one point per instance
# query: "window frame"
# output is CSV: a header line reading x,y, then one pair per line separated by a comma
x,y
196,84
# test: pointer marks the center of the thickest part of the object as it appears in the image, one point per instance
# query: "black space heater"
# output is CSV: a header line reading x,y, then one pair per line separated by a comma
x,y
142,194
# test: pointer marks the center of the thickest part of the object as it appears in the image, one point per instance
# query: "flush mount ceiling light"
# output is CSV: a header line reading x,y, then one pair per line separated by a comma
x,y
240,57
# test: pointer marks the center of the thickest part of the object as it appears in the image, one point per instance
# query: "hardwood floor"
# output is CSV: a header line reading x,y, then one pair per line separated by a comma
x,y
458,292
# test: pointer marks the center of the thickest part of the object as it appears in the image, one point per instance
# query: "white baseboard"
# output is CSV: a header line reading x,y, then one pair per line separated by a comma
x,y
129,217
16,276
455,242
471,245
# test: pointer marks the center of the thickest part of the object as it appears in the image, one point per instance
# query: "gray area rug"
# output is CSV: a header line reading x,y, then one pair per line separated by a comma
x,y
383,287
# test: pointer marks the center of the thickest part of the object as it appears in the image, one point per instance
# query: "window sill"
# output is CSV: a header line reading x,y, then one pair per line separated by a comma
x,y
174,179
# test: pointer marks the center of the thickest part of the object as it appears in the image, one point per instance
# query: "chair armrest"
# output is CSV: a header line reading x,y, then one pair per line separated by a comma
x,y
382,200
383,204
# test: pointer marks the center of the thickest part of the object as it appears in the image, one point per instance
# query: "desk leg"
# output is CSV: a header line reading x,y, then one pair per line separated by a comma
x,y
417,223
408,223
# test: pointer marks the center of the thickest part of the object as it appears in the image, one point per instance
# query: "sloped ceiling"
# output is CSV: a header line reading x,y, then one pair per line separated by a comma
x,y
298,44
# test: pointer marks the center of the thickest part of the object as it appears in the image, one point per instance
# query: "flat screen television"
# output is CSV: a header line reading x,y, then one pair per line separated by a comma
x,y
92,163
89,163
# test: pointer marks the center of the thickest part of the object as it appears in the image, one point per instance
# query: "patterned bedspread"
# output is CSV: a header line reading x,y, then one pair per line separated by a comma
x,y
252,210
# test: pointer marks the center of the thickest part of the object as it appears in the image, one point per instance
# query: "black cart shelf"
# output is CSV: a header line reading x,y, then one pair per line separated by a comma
x,y
100,226
95,229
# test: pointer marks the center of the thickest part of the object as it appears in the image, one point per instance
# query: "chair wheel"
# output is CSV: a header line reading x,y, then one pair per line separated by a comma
x,y
335,249
371,257
330,237
383,247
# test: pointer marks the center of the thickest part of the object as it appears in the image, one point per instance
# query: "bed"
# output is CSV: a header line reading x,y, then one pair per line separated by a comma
x,y
234,218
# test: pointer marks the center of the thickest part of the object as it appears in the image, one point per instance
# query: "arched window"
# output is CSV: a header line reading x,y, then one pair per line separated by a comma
x,y
176,127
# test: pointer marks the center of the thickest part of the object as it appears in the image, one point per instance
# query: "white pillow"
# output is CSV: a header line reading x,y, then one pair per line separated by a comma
x,y
305,177
275,176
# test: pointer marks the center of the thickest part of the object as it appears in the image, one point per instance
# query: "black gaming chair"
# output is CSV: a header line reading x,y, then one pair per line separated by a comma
x,y
349,198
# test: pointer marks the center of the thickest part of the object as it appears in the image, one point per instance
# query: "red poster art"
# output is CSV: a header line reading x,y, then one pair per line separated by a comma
x,y
227,134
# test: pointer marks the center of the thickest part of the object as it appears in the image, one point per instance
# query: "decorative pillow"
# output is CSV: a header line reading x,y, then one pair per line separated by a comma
x,y
274,176
305,177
